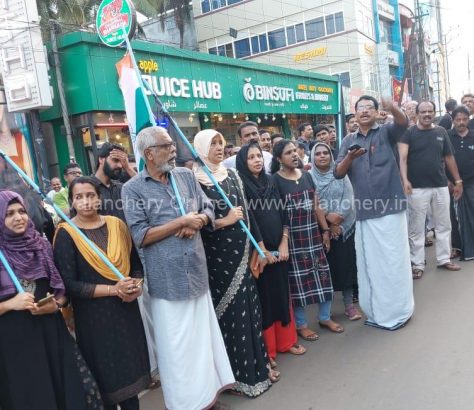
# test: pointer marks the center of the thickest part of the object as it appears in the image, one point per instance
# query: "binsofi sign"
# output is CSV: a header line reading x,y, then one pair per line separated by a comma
x,y
276,96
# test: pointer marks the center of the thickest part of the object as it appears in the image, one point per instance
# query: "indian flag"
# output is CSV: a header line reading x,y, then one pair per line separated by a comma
x,y
138,116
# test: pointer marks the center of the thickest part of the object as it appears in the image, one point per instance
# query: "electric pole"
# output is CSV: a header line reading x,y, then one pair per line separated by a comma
x,y
62,96
421,63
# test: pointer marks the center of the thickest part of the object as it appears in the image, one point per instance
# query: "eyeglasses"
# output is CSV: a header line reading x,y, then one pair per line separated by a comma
x,y
166,146
75,173
365,107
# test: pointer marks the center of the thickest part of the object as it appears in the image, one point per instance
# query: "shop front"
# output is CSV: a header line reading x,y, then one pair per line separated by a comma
x,y
199,90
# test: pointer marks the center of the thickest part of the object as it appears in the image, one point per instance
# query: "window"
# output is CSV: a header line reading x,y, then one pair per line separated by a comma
x,y
295,34
210,5
315,28
339,17
276,39
229,50
330,24
344,78
225,50
263,42
205,6
299,28
386,32
291,35
255,45
374,81
242,48
259,43
334,23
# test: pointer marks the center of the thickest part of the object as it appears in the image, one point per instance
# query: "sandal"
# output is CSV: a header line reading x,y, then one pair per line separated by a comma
x,y
273,363
297,349
417,273
307,334
352,313
274,375
332,326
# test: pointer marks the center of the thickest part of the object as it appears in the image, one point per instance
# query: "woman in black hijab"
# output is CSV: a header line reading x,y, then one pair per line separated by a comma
x,y
265,203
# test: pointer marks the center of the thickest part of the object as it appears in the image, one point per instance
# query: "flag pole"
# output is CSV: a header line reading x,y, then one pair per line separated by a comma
x,y
62,215
165,113
10,272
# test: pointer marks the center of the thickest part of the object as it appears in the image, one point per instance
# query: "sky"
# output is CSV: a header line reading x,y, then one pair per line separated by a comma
x,y
457,17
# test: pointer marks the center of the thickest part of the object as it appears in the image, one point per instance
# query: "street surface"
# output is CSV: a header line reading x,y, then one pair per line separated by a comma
x,y
429,364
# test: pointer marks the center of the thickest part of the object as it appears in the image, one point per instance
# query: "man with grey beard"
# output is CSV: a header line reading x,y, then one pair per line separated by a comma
x,y
166,209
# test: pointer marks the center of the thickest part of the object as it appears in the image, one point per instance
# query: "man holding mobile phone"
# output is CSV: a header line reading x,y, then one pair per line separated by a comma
x,y
383,254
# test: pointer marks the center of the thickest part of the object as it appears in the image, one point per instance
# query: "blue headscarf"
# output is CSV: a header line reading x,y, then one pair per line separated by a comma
x,y
335,195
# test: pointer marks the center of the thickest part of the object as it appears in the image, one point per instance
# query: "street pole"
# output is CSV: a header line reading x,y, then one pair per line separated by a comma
x,y
448,91
40,151
62,96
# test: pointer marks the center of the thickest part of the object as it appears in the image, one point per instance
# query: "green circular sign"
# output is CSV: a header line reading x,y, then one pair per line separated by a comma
x,y
115,20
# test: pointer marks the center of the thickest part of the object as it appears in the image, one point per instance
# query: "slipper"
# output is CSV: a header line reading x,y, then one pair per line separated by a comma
x,y
307,334
273,363
332,326
417,273
274,375
297,350
450,266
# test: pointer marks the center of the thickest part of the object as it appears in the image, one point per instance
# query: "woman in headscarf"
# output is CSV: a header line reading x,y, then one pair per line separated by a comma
x,y
108,325
40,364
279,329
309,276
336,197
233,288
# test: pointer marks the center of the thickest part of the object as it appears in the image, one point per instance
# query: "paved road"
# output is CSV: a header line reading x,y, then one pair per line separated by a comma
x,y
429,364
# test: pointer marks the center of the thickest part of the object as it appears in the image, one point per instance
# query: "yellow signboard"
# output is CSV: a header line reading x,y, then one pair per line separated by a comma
x,y
147,66
307,55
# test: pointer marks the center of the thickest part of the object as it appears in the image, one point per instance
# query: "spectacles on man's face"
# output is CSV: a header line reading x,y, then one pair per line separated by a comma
x,y
365,107
166,146
75,173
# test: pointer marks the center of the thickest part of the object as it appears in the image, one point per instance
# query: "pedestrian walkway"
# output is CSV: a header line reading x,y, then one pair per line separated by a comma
x,y
427,365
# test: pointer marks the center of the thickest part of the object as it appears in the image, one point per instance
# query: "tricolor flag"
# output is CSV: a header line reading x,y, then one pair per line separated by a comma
x,y
136,108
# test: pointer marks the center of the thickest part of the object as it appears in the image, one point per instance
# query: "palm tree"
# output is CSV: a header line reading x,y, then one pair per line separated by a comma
x,y
80,14
182,15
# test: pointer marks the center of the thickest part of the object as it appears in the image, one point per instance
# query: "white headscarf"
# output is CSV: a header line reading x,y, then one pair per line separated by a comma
x,y
202,144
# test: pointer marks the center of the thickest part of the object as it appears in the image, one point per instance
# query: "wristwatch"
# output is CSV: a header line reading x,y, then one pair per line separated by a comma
x,y
458,182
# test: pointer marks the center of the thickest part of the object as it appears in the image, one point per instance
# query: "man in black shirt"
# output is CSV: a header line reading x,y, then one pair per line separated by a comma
x,y
462,139
424,151
468,101
108,172
446,120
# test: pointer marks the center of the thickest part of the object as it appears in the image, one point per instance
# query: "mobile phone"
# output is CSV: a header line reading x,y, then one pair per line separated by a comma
x,y
355,147
45,300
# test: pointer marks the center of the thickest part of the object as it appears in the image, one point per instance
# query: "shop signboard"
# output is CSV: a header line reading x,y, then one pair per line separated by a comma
x,y
201,87
115,20
190,82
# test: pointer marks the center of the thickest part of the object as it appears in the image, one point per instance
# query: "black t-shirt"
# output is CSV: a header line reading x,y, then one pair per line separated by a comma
x,y
464,155
471,124
427,149
446,121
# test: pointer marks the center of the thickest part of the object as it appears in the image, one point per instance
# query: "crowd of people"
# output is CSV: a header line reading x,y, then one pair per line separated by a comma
x,y
204,301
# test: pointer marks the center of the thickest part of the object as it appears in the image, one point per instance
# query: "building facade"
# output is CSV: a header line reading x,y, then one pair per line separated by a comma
x,y
200,90
357,40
